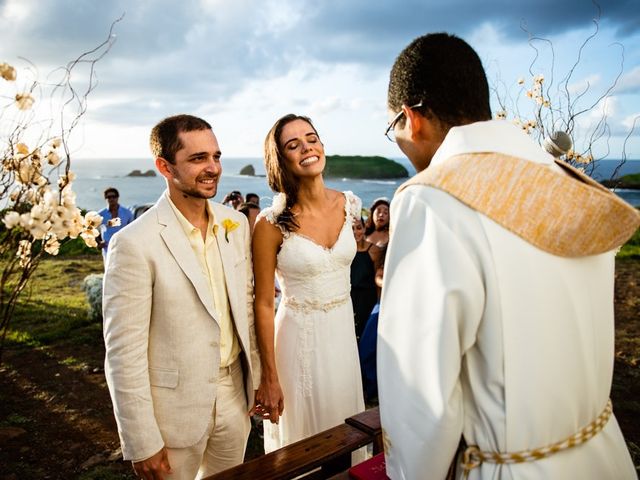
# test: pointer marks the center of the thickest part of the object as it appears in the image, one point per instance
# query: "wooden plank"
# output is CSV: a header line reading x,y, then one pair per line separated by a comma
x,y
330,449
369,422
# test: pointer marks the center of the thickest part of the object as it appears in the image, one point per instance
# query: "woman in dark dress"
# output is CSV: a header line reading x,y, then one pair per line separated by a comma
x,y
363,288
377,226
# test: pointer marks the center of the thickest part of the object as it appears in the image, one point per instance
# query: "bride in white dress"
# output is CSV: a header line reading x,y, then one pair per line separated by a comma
x,y
310,368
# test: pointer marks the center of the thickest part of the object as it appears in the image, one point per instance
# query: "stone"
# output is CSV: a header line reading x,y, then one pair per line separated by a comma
x,y
115,455
248,170
92,461
9,433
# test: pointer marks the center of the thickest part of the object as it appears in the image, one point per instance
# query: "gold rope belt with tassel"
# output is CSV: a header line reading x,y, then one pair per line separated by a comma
x,y
474,457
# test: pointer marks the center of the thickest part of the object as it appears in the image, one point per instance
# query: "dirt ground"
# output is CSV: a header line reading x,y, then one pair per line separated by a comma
x,y
56,419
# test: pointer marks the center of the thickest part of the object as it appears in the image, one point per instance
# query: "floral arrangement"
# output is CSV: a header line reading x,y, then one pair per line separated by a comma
x,y
92,287
542,105
39,210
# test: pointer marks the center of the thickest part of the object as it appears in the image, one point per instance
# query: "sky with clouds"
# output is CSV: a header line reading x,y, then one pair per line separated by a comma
x,y
241,64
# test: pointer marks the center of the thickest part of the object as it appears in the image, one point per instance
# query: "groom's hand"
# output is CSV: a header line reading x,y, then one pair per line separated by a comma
x,y
152,468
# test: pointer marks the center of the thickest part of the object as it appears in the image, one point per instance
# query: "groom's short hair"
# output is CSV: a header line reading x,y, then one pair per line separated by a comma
x,y
164,140
445,74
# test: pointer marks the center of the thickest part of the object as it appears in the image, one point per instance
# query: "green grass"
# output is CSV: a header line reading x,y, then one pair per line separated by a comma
x,y
53,307
103,472
631,249
76,247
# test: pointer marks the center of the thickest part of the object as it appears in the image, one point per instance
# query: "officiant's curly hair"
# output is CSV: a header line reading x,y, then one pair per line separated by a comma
x,y
279,177
445,74
164,140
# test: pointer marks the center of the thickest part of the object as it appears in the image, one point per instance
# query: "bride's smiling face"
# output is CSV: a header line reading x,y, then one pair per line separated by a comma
x,y
302,149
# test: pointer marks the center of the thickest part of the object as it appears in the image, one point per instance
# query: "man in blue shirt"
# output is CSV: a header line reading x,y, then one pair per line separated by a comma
x,y
110,216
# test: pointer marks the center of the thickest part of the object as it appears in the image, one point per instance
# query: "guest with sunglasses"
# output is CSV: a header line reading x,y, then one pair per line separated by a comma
x,y
114,218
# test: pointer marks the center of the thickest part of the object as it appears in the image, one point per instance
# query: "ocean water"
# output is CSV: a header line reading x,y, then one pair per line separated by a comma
x,y
94,175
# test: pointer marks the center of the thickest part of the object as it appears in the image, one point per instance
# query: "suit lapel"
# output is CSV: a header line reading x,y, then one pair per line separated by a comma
x,y
179,246
227,255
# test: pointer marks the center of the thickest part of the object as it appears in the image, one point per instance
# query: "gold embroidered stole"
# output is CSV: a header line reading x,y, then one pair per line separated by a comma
x,y
567,215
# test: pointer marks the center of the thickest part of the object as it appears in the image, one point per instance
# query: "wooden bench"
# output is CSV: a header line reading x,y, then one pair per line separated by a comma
x,y
318,457
369,422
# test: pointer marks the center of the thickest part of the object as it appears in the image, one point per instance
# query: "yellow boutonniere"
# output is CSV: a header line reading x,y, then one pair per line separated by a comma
x,y
229,226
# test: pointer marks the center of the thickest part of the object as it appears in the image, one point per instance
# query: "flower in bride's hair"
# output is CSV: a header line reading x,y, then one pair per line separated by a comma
x,y
279,203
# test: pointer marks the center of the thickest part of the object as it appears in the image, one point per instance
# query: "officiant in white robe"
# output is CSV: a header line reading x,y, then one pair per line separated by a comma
x,y
496,319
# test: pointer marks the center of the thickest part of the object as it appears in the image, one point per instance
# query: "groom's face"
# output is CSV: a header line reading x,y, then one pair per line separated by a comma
x,y
197,167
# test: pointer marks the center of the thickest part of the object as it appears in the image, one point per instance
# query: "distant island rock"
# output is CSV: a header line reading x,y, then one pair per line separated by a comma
x,y
138,173
356,166
631,182
248,170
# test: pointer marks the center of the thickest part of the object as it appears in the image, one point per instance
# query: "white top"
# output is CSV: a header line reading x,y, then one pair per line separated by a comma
x,y
483,334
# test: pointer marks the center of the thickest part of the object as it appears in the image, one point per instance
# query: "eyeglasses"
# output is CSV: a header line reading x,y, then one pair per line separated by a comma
x,y
390,132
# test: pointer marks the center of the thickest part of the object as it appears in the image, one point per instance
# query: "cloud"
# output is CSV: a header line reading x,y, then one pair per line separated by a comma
x,y
631,122
584,84
205,55
630,82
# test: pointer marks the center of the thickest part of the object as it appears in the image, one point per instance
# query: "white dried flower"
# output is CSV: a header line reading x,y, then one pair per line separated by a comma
x,y
7,72
53,158
92,219
24,101
114,222
24,252
52,245
22,148
89,239
11,219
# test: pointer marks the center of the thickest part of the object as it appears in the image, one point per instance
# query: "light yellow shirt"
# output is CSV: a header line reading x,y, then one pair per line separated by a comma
x,y
208,254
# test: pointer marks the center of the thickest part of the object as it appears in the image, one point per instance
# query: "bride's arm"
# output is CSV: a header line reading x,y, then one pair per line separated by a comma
x,y
265,244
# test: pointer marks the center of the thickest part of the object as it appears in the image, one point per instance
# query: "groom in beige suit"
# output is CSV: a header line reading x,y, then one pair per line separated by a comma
x,y
181,359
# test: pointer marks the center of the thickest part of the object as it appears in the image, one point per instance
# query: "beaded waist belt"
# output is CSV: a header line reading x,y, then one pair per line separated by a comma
x,y
308,305
473,457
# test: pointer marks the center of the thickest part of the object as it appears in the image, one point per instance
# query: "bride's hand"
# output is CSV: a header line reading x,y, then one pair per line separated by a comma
x,y
269,401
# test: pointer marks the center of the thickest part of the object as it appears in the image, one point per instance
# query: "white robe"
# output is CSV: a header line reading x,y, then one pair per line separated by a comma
x,y
483,334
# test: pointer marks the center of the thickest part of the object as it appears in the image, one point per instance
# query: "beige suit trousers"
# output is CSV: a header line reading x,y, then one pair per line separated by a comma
x,y
224,442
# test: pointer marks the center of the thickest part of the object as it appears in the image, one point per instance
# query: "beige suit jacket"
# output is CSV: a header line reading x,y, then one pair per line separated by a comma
x,y
161,332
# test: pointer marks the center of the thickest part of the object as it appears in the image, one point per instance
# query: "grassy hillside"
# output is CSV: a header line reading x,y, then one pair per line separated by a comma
x,y
631,181
363,167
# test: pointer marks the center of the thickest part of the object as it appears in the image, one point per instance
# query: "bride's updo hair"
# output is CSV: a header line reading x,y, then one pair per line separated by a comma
x,y
280,179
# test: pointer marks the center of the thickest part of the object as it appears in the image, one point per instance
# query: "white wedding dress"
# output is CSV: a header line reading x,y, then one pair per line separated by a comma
x,y
315,343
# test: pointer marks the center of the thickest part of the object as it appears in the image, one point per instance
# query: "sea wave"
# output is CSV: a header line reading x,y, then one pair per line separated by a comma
x,y
382,182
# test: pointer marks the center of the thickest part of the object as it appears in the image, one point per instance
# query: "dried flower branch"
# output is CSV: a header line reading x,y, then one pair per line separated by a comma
x,y
36,183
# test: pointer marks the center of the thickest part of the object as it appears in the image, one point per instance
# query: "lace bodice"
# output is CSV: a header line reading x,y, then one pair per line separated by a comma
x,y
311,276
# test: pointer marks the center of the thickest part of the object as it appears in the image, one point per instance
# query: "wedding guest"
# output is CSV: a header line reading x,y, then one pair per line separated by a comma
x,y
181,356
311,374
114,218
233,199
252,198
251,211
369,339
496,321
364,293
377,226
